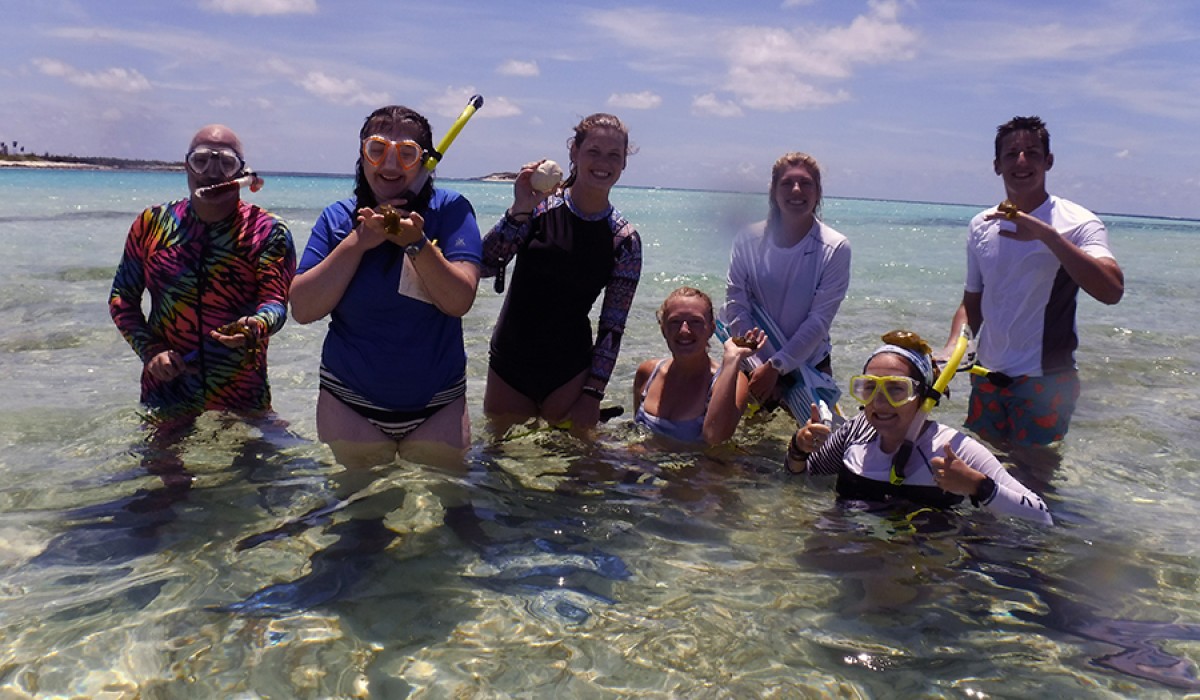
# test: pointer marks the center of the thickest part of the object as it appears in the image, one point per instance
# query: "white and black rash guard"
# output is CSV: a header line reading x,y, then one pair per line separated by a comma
x,y
863,470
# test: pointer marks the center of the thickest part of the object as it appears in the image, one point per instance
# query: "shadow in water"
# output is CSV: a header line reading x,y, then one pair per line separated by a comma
x,y
908,573
333,574
133,526
1137,641
547,557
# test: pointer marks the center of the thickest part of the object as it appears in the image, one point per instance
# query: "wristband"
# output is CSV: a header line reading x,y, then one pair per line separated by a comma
x,y
794,452
983,494
593,392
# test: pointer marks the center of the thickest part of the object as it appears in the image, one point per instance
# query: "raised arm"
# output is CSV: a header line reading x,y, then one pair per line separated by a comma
x,y
1099,275
730,392
969,469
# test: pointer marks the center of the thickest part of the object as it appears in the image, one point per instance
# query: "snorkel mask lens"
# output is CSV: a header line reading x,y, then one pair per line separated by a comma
x,y
408,152
897,391
229,163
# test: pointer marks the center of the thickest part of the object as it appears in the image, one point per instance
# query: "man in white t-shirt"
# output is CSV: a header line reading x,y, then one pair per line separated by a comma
x,y
1026,261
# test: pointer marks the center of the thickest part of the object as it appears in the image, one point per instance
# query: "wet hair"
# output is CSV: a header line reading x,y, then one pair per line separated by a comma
x,y
386,119
788,160
599,120
685,292
1035,125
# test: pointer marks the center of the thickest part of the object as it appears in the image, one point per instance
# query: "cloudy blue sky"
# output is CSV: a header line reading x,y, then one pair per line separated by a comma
x,y
898,99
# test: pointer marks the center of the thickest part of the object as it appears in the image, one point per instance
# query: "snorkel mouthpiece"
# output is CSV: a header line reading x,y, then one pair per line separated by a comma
x,y
249,178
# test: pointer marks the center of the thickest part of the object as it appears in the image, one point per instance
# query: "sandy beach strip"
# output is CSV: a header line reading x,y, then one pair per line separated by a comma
x,y
51,164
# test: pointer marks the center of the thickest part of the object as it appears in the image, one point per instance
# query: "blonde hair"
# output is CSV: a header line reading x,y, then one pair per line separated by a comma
x,y
685,292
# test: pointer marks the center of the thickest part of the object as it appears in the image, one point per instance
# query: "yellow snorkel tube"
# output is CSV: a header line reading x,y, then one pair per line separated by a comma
x,y
473,106
949,369
432,160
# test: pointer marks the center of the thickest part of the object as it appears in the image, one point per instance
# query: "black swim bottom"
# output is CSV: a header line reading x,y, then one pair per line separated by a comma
x,y
538,377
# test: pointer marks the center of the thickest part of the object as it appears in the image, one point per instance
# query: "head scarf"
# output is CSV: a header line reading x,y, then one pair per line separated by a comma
x,y
923,363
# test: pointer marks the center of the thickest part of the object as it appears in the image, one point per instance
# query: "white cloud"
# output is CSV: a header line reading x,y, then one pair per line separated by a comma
x,y
635,100
1035,42
1122,154
261,7
1170,91
112,79
450,104
766,67
778,69
340,90
709,104
520,69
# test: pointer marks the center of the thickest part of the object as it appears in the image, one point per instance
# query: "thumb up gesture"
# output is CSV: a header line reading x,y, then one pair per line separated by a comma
x,y
953,475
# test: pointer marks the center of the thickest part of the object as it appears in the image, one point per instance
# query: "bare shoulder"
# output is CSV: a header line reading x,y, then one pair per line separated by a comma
x,y
644,370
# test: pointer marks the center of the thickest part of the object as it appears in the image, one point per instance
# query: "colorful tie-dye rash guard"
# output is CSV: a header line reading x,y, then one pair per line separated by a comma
x,y
201,276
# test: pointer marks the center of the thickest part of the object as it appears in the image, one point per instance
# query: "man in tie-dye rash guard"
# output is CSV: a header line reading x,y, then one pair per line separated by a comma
x,y
207,261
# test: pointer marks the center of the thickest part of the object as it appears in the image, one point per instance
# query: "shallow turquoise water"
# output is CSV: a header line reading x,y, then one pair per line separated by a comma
x,y
553,568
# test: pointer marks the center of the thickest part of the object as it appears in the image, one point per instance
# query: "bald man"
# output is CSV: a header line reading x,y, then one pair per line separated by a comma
x,y
209,260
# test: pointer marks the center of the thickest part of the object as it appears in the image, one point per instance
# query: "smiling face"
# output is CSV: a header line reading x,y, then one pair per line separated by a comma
x,y
890,422
600,159
797,193
687,324
1022,162
389,180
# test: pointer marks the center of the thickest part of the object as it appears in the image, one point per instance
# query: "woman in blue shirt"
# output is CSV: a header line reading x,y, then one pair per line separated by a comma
x,y
395,285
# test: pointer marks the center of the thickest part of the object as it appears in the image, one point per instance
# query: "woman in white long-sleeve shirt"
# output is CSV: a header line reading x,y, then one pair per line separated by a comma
x,y
794,269
941,467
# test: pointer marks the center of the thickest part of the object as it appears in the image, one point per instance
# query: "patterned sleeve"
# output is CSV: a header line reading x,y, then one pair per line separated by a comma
x,y
276,268
618,298
502,243
129,284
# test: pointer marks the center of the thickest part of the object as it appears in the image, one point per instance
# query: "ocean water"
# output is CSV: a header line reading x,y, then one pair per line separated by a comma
x,y
547,567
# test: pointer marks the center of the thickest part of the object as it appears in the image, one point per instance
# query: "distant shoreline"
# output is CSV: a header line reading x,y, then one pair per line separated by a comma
x,y
85,163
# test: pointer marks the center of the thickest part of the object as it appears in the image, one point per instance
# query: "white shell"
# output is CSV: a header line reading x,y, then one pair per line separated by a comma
x,y
546,177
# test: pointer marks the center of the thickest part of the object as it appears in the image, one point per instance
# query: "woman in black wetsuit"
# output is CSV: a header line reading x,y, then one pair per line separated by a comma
x,y
570,245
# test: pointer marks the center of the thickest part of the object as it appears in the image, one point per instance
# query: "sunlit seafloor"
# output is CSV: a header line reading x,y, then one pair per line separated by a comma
x,y
547,567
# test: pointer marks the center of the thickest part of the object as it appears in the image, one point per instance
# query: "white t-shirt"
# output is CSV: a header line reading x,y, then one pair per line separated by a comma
x,y
1028,300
